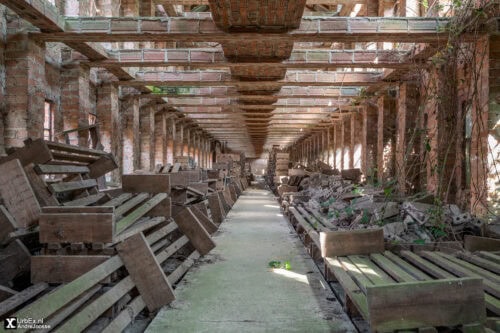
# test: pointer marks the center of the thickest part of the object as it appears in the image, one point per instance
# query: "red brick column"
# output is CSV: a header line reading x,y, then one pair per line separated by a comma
x,y
356,138
147,138
24,88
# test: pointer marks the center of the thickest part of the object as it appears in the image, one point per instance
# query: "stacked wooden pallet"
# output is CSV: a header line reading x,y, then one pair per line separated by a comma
x,y
401,289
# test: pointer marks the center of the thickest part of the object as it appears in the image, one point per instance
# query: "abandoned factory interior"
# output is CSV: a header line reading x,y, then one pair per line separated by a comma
x,y
250,166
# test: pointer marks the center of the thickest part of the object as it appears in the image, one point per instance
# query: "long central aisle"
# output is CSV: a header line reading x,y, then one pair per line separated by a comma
x,y
234,290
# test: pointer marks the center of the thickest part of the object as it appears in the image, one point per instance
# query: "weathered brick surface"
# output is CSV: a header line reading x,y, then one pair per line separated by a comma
x,y
257,15
25,82
3,30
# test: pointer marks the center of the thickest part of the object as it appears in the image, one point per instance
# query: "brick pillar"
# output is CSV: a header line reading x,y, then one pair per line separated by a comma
x,y
479,145
3,96
24,88
174,138
189,144
401,141
338,146
75,102
369,141
164,138
380,139
356,138
348,151
130,112
158,139
116,134
136,123
181,141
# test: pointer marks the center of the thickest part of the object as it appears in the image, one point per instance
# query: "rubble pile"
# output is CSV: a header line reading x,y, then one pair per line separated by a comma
x,y
345,203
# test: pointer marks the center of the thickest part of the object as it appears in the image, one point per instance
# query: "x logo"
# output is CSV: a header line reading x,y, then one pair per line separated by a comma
x,y
10,323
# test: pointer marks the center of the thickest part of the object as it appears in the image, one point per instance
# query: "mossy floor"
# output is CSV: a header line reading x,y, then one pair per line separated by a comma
x,y
234,290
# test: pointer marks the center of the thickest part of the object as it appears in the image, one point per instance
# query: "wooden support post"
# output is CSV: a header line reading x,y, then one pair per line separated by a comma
x,y
193,229
145,272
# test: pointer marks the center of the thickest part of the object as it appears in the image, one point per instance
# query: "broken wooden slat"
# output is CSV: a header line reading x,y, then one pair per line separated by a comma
x,y
344,243
209,226
72,186
139,212
125,207
85,201
145,271
193,229
54,169
411,305
62,269
77,227
21,297
149,183
17,194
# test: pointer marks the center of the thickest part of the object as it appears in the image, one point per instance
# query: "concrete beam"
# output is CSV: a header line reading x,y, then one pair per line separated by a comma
x,y
214,58
312,29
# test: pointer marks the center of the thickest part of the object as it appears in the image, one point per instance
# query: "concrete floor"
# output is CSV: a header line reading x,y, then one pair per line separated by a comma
x,y
234,290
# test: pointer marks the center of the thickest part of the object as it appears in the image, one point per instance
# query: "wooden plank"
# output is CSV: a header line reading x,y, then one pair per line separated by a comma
x,y
161,233
224,203
68,157
43,169
344,243
209,226
313,234
176,275
232,192
426,265
146,272
86,201
489,256
418,274
372,271
350,287
320,218
42,193
140,227
84,317
7,224
354,272
125,317
33,152
14,260
75,149
489,286
77,210
102,166
216,209
142,210
72,186
481,262
163,209
312,220
476,243
21,297
17,194
193,229
60,316
62,269
119,200
411,305
79,227
149,183
391,268
473,268
228,197
171,249
6,292
125,207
